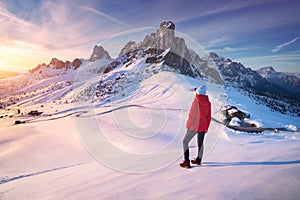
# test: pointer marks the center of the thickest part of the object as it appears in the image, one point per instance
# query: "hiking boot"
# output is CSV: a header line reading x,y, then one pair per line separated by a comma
x,y
196,161
185,164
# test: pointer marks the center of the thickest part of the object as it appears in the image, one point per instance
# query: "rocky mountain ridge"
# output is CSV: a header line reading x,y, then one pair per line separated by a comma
x,y
56,64
158,51
98,53
164,47
288,82
262,80
171,51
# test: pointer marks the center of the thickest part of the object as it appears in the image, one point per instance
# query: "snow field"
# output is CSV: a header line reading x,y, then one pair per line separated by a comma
x,y
134,152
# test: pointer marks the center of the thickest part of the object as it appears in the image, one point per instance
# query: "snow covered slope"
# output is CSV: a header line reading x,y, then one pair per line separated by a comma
x,y
134,151
46,85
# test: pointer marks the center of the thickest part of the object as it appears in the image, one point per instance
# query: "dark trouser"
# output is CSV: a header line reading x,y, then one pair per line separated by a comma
x,y
188,137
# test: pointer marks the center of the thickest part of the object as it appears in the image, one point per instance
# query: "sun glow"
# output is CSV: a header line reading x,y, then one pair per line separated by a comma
x,y
2,65
21,56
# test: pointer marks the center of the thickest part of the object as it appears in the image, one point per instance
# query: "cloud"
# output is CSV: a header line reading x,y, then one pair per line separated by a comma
x,y
294,56
242,49
57,25
5,16
12,26
242,24
216,41
219,8
52,29
279,47
102,14
229,49
284,62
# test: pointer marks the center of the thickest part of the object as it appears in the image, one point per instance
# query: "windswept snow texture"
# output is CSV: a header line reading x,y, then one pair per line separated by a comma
x,y
49,157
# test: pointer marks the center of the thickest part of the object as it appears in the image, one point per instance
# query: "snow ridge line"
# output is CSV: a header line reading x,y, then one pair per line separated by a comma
x,y
77,114
4,180
80,113
128,106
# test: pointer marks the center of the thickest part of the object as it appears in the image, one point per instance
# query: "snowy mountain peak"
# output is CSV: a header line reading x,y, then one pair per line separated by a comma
x,y
289,82
130,46
218,59
164,38
269,68
98,53
164,47
161,47
56,66
167,25
214,55
265,71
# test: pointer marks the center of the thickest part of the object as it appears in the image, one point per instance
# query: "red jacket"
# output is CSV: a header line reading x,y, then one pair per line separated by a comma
x,y
200,114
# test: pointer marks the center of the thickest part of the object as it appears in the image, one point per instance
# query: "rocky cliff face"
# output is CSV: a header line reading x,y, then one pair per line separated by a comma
x,y
56,64
164,39
98,53
76,63
166,48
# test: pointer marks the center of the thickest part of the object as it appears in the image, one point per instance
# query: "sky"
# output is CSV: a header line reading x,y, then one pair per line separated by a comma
x,y
257,33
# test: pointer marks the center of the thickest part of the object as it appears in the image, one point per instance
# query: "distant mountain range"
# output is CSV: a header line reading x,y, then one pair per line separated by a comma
x,y
266,79
289,82
263,80
297,74
159,51
164,47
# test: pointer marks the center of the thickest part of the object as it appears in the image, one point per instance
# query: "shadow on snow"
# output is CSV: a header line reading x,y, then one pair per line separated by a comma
x,y
224,164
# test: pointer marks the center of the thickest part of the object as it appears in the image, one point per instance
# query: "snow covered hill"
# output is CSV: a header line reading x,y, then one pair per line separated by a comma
x,y
134,152
113,129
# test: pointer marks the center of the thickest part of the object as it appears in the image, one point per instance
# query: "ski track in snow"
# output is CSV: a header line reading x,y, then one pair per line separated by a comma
x,y
81,114
4,180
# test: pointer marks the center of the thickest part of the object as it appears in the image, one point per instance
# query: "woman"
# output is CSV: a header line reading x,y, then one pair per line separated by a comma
x,y
197,124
